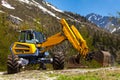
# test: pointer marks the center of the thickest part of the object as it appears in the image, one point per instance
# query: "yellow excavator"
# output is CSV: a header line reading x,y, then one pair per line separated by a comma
x,y
32,48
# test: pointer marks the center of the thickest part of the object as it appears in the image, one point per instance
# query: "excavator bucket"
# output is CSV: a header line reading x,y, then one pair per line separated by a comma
x,y
74,62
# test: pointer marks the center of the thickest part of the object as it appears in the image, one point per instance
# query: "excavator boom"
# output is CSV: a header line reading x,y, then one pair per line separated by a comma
x,y
75,38
69,33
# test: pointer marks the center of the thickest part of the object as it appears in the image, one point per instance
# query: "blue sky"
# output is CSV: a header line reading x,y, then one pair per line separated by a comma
x,y
84,7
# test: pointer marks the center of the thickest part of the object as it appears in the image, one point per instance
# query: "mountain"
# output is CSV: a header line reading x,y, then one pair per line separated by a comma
x,y
42,16
106,22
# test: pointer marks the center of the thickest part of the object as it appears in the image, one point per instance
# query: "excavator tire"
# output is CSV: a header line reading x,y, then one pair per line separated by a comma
x,y
58,61
12,64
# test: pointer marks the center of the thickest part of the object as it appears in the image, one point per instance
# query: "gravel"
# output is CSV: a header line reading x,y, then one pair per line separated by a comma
x,y
46,75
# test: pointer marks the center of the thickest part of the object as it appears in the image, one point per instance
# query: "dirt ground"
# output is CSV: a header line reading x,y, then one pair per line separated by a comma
x,y
50,74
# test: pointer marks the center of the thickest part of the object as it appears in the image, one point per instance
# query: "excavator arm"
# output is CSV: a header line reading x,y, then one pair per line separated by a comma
x,y
68,33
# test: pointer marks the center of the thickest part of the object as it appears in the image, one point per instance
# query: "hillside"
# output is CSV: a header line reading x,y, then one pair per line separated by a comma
x,y
40,15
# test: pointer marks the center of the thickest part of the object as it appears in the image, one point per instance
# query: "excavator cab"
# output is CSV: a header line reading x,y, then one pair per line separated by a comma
x,y
31,36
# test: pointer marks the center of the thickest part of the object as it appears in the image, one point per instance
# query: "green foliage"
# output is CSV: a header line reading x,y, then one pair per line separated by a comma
x,y
91,64
37,24
7,36
72,51
114,75
87,37
80,77
101,74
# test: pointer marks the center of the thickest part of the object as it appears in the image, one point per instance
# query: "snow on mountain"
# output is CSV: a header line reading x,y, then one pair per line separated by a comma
x,y
118,28
94,16
6,4
97,19
25,1
2,11
16,18
90,18
49,5
113,30
34,3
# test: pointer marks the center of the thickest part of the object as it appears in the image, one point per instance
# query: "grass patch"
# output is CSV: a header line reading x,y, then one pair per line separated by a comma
x,y
115,75
80,77
53,75
104,74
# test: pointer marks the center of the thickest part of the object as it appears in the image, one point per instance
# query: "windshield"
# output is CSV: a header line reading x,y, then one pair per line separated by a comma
x,y
40,37
26,37
31,37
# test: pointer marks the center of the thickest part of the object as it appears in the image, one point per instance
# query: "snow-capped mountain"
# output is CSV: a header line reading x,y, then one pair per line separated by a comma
x,y
106,22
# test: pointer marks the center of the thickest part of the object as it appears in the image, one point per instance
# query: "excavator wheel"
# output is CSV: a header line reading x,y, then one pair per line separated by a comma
x,y
58,61
12,64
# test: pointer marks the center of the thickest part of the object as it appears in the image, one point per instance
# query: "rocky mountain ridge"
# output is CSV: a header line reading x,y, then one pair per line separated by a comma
x,y
106,22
